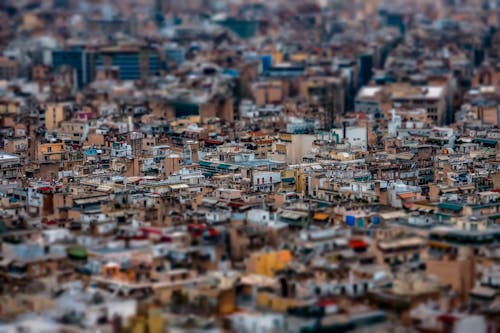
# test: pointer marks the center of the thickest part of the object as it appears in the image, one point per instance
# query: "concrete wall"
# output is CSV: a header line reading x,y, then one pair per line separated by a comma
x,y
460,273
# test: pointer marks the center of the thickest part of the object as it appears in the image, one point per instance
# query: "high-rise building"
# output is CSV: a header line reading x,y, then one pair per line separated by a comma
x,y
365,68
327,96
134,63
74,58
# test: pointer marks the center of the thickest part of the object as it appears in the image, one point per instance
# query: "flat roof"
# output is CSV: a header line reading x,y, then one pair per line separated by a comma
x,y
7,157
369,91
423,92
393,215
403,242
257,163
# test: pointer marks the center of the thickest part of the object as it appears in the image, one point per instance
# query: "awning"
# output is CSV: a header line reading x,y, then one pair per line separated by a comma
x,y
205,163
322,204
406,195
223,166
91,200
487,141
405,242
212,142
438,245
450,206
442,216
179,186
291,215
104,188
393,215
321,216
447,318
484,292
288,180
45,188
258,280
357,244
340,242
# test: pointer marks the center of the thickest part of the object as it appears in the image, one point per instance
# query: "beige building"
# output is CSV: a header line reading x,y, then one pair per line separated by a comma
x,y
430,98
50,152
221,108
489,114
74,130
402,96
486,76
459,273
9,107
327,95
172,164
267,92
17,145
9,68
54,115
291,148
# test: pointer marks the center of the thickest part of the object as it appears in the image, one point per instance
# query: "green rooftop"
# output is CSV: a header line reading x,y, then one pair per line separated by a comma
x,y
205,163
450,206
486,205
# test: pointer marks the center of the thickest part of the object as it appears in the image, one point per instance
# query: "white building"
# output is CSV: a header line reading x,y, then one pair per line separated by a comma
x,y
292,148
258,322
263,217
397,190
265,181
367,101
355,137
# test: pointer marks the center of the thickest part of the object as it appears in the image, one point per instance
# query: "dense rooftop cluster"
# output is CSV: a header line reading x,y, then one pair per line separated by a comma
x,y
249,166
